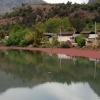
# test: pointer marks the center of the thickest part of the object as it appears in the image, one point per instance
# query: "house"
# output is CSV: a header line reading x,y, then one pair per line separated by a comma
x,y
65,36
91,36
49,36
70,36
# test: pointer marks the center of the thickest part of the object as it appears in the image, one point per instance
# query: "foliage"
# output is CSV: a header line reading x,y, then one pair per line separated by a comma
x,y
55,41
29,38
23,43
54,24
17,35
77,23
46,45
2,34
81,41
38,35
41,25
35,45
64,45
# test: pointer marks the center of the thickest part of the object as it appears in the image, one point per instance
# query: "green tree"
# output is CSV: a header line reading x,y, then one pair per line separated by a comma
x,y
81,41
54,24
17,35
2,34
77,23
38,35
41,25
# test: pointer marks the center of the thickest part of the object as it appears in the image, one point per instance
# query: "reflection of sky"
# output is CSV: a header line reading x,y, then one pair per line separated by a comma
x,y
52,91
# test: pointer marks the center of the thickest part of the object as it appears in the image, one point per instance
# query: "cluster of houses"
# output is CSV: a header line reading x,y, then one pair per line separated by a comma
x,y
91,36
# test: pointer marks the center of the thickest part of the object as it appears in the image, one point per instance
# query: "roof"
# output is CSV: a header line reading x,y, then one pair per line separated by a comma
x,y
87,32
50,34
68,32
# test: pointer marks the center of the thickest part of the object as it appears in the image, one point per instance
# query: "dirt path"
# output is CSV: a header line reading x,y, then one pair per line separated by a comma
x,y
70,51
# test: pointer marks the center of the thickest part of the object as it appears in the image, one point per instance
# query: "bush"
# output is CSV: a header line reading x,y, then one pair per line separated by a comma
x,y
69,43
29,38
35,45
16,36
81,41
2,34
55,41
46,45
23,43
64,45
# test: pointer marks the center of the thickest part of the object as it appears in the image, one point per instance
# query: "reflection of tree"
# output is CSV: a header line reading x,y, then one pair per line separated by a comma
x,y
96,88
34,66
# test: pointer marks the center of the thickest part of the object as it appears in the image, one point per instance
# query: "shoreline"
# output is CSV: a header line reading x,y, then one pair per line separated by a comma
x,y
68,51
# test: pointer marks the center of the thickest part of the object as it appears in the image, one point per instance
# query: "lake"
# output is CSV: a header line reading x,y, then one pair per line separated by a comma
x,y
34,75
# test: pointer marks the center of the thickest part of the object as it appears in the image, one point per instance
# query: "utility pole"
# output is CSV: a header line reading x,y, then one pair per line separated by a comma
x,y
60,35
95,32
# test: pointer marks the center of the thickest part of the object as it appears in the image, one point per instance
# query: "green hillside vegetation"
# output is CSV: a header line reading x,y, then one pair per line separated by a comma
x,y
33,20
30,15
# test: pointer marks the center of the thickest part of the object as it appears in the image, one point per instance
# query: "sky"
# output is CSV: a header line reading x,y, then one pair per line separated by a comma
x,y
65,1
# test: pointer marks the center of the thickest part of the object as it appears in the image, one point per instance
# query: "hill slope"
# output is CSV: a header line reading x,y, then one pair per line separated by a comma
x,y
7,5
94,1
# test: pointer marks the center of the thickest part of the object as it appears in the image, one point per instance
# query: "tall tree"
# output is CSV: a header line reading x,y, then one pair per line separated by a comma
x,y
38,35
77,23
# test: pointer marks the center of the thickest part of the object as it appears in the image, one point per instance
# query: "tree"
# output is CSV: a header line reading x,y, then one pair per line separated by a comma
x,y
38,35
69,3
81,41
41,25
54,24
17,35
77,23
2,34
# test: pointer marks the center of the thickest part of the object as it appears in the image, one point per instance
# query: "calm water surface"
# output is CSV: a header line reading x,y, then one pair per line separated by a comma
x,y
33,75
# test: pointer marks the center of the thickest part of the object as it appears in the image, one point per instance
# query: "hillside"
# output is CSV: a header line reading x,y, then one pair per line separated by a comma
x,y
93,1
7,5
30,15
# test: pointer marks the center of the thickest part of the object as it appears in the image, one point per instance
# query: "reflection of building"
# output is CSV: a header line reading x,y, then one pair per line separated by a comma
x,y
93,59
67,58
64,56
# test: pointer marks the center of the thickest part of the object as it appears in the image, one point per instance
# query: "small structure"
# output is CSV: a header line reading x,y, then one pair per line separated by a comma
x,y
65,36
91,36
50,36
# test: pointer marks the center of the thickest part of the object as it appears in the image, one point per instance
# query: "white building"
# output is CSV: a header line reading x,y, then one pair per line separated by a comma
x,y
65,36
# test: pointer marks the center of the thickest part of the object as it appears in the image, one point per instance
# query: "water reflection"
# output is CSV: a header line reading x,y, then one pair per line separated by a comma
x,y
51,91
34,75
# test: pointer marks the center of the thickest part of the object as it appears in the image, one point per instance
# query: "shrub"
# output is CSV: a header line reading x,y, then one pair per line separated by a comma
x,y
2,34
81,41
54,41
69,43
64,45
16,36
35,45
23,43
29,38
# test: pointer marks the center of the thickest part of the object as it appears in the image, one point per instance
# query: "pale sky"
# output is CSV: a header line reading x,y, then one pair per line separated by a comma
x,y
65,1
